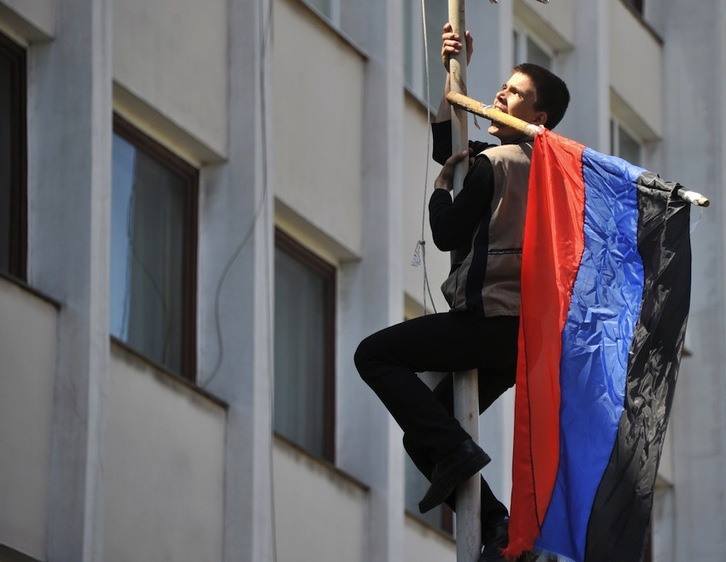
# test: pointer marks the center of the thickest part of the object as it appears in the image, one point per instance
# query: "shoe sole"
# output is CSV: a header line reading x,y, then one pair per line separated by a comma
x,y
437,497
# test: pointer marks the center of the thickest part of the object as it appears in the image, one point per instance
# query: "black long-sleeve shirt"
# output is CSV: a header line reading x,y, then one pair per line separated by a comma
x,y
453,222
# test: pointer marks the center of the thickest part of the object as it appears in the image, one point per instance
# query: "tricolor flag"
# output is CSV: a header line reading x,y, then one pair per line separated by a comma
x,y
605,294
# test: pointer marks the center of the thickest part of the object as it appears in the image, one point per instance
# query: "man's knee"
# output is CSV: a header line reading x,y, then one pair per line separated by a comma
x,y
362,357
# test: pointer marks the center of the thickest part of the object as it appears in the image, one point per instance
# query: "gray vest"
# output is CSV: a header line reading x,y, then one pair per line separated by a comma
x,y
501,288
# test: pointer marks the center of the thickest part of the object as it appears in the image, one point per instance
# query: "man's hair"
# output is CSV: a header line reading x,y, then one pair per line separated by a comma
x,y
553,97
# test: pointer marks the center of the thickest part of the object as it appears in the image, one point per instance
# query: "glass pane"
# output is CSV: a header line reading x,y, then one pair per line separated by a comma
x,y
537,55
147,255
411,25
299,353
629,148
6,160
437,14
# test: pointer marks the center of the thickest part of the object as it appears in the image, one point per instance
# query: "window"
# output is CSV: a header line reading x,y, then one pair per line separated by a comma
x,y
528,49
623,144
415,61
153,251
304,347
12,159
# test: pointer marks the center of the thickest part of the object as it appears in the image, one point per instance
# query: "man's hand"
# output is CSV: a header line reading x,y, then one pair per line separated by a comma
x,y
451,45
445,179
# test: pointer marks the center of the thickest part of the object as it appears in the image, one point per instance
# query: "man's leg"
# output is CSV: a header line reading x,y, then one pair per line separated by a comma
x,y
493,382
456,341
388,362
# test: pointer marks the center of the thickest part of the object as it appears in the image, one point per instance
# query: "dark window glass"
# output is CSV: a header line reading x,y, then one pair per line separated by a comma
x,y
624,145
304,347
12,159
153,251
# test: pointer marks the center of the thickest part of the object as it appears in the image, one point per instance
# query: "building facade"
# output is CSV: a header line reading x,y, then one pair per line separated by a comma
x,y
205,206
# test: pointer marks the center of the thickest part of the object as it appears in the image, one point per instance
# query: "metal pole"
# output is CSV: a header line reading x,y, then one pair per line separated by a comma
x,y
466,384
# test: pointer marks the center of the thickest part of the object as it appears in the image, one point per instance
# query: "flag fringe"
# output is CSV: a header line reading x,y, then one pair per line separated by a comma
x,y
531,554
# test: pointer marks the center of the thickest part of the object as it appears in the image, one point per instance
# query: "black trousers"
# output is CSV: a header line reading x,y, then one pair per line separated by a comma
x,y
389,360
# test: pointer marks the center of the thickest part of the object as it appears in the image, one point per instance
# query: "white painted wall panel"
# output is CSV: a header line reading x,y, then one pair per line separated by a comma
x,y
164,468
317,93
636,72
34,20
27,364
423,544
320,514
173,55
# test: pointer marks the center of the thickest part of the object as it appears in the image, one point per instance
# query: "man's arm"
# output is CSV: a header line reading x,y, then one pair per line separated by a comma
x,y
442,142
451,45
441,127
453,222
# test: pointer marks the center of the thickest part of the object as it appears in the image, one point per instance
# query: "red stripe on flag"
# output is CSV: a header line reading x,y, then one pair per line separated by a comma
x,y
553,246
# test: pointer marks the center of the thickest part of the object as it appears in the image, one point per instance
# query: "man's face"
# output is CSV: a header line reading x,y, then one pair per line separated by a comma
x,y
517,98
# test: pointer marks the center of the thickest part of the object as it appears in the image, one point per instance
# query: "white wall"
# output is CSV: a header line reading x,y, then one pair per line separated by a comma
x,y
28,21
636,72
694,152
164,464
172,55
28,352
182,477
423,544
320,514
317,97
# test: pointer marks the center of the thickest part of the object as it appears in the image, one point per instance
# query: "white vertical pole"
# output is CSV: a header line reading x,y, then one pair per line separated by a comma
x,y
466,388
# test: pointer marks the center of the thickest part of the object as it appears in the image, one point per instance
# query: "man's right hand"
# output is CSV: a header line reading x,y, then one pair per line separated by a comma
x,y
451,45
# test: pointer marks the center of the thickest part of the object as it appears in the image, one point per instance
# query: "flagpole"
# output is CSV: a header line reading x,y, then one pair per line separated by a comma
x,y
465,103
466,383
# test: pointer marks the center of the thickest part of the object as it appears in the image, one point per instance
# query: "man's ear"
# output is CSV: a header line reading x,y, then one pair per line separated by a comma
x,y
540,118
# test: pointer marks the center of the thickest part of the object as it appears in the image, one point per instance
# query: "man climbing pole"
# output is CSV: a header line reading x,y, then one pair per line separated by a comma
x,y
483,227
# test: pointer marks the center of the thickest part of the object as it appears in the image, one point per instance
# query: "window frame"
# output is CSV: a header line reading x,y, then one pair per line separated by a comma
x,y
414,55
521,34
18,231
332,15
177,165
328,272
616,127
636,5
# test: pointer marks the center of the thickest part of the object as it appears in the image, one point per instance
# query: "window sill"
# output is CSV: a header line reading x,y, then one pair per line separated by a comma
x,y
29,289
638,16
334,27
127,353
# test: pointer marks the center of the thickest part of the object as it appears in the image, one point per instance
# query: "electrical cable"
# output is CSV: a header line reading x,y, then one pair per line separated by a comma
x,y
258,211
264,25
420,251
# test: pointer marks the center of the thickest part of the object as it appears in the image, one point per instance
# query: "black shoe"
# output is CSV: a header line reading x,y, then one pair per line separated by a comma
x,y
496,539
458,466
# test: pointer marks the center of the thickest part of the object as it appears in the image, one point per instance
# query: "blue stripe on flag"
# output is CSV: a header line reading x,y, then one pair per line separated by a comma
x,y
596,339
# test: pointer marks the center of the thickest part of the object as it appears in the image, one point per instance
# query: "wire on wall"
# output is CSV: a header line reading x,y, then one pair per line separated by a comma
x,y
419,257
